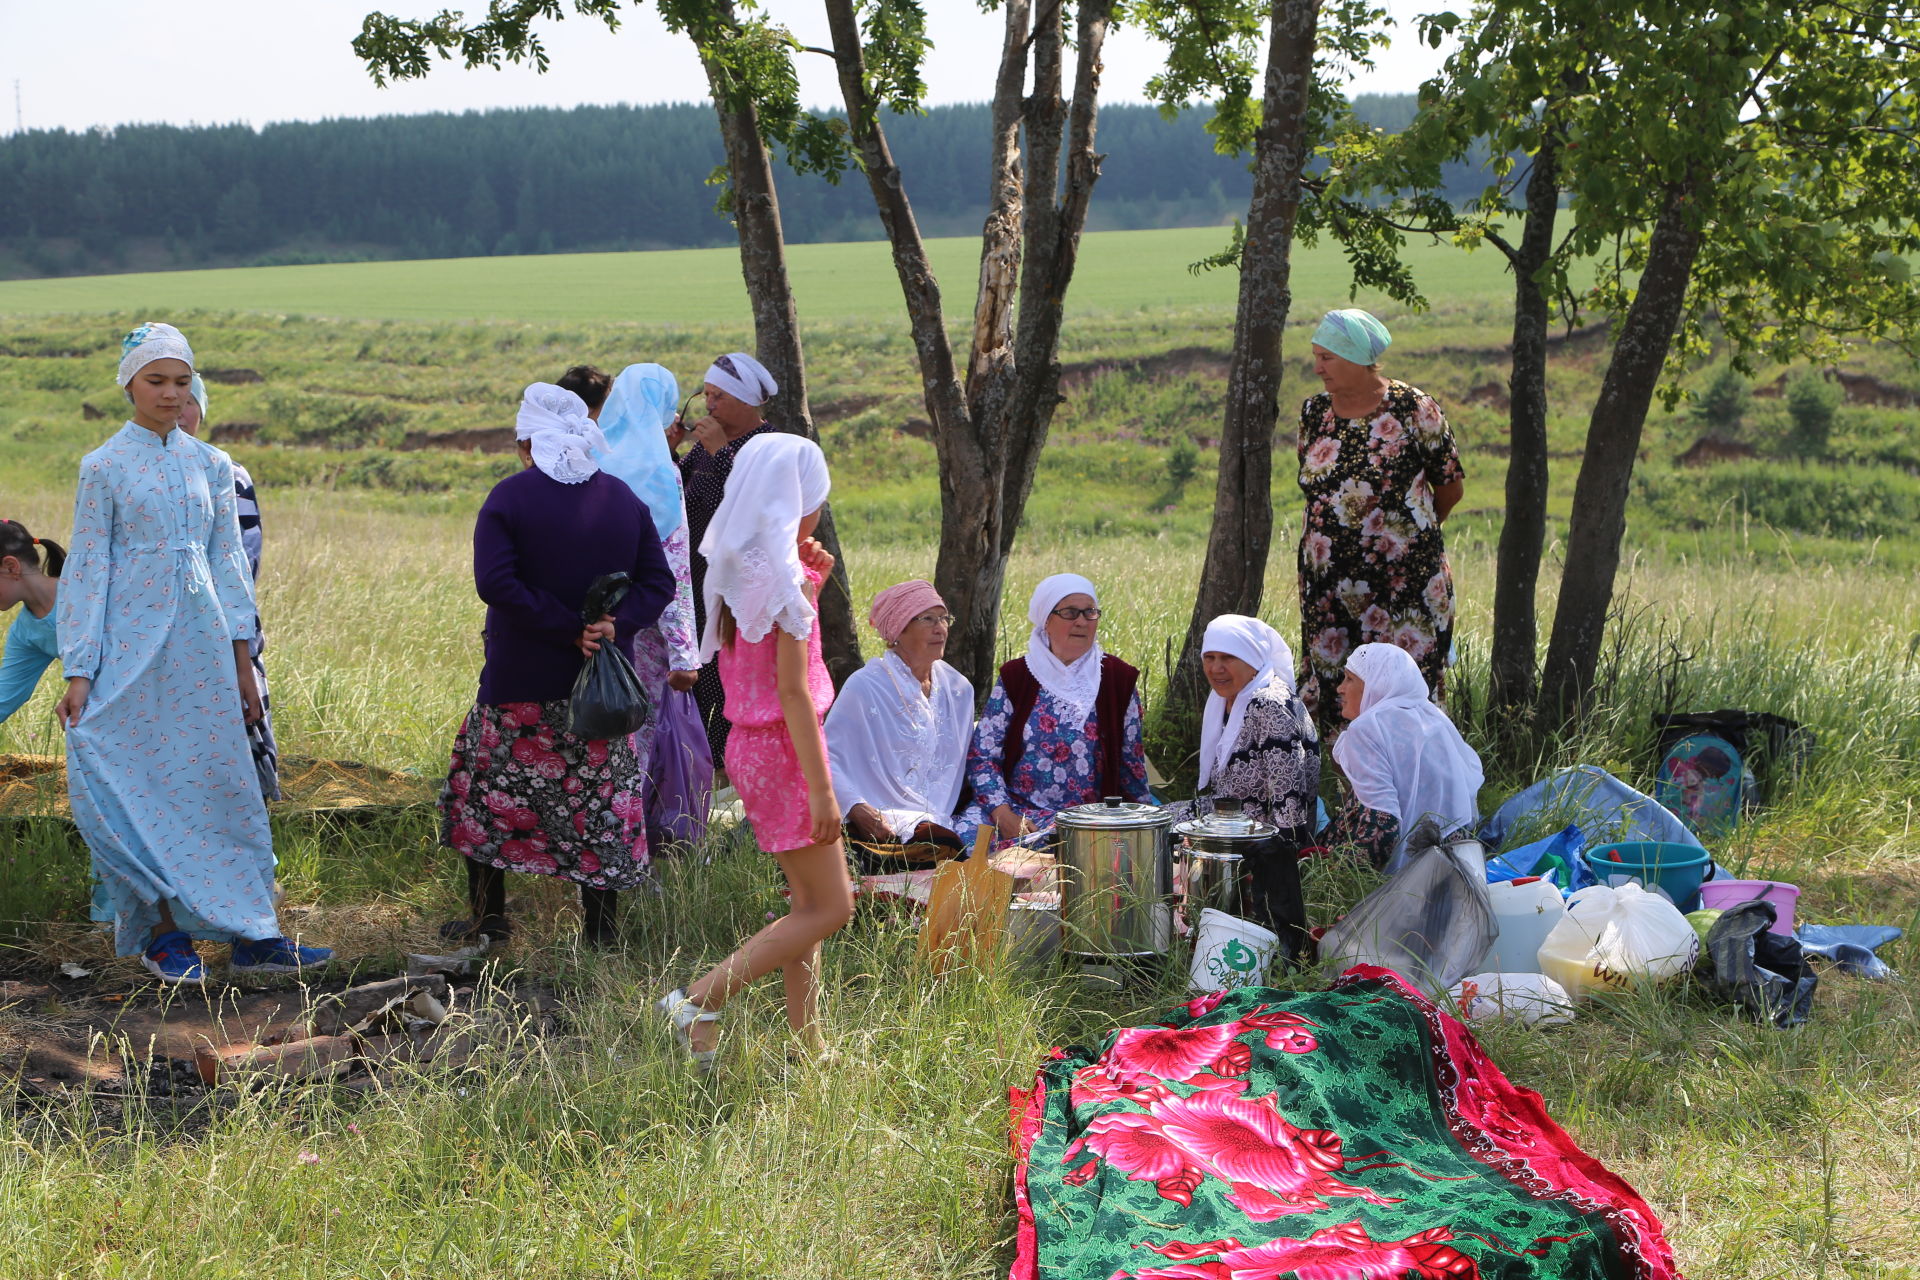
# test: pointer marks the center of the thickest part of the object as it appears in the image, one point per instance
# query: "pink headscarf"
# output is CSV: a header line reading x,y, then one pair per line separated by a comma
x,y
899,605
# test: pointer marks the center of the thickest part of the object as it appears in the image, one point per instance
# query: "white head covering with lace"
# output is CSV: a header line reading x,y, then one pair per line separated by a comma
x,y
554,423
1075,685
1260,647
752,548
1401,754
149,342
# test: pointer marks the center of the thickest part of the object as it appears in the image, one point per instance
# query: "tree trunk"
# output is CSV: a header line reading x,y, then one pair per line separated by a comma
x,y
776,331
1523,533
1234,575
1613,441
988,433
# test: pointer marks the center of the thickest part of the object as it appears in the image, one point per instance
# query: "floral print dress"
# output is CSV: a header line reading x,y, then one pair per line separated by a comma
x,y
154,594
1057,769
1373,566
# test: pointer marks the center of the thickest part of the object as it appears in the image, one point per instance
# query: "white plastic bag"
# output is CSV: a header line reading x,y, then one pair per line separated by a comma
x,y
1617,939
1533,998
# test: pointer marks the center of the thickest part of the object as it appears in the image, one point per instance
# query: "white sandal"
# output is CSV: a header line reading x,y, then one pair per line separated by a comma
x,y
681,1013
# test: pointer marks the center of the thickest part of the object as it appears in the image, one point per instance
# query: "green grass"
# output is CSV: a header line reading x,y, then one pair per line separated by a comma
x,y
1119,272
588,1152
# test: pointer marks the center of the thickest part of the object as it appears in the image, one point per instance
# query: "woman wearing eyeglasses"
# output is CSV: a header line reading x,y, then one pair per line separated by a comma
x,y
737,388
1062,725
897,735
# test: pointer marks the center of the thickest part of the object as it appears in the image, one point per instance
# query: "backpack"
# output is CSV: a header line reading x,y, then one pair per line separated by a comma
x,y
1717,765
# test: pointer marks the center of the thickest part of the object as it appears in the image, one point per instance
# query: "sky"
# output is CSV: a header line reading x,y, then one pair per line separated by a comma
x,y
82,64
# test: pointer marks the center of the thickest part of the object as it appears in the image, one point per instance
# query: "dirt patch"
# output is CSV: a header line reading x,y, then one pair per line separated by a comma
x,y
485,440
1203,362
1490,395
840,410
234,432
61,1038
1855,388
232,377
1709,449
37,786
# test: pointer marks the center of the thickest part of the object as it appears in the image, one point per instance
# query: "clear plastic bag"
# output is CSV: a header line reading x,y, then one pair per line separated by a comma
x,y
1618,939
1431,923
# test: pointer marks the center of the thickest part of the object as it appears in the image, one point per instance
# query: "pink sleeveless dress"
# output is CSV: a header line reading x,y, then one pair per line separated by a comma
x,y
760,759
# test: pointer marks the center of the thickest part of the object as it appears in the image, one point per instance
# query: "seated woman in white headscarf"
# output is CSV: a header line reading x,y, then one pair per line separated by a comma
x,y
898,732
1258,747
1062,725
1401,756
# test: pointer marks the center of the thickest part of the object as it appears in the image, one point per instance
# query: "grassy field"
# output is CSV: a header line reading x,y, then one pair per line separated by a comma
x,y
589,1153
1119,272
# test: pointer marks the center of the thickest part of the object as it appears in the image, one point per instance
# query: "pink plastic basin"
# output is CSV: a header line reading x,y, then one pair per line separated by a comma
x,y
1722,894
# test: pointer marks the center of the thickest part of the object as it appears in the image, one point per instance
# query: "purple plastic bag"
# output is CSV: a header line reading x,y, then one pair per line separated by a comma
x,y
680,775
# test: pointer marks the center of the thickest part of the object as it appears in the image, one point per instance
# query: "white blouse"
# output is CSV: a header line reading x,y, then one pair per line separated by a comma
x,y
893,747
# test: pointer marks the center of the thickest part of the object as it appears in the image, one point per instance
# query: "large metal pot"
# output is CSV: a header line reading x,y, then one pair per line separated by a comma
x,y
1241,866
1116,872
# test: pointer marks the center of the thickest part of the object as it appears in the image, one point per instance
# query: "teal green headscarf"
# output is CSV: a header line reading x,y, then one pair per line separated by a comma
x,y
1353,335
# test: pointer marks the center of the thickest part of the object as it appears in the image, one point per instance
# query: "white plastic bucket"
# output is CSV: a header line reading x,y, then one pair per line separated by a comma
x,y
1525,915
1229,952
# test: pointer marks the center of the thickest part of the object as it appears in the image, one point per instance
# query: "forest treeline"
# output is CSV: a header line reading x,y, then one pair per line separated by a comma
x,y
144,197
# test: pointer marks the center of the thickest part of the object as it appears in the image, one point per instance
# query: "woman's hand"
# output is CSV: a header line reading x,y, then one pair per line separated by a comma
x,y
1011,825
593,635
252,709
676,432
710,435
73,701
824,811
682,680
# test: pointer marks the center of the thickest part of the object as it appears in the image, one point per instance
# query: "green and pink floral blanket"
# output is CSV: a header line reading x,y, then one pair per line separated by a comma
x,y
1351,1134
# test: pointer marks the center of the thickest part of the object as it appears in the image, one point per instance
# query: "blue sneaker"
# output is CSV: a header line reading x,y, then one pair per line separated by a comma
x,y
277,955
172,959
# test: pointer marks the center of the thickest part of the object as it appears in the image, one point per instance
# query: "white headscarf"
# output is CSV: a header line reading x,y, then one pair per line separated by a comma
x,y
149,342
554,422
1073,684
1260,647
752,548
638,411
742,377
1402,754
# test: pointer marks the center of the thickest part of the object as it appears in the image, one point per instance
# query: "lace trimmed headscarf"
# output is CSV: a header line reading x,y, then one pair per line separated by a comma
x,y
554,423
1260,647
752,548
1075,685
149,342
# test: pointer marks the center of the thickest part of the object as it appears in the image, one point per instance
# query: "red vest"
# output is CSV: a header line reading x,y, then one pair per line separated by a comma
x,y
1117,682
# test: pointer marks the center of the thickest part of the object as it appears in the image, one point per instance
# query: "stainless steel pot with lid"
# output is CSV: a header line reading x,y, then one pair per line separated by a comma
x,y
1209,855
1237,864
1116,871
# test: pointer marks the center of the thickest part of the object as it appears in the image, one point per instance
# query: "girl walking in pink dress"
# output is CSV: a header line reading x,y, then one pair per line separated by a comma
x,y
763,576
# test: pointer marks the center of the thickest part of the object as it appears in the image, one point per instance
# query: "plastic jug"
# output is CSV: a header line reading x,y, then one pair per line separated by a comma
x,y
1526,910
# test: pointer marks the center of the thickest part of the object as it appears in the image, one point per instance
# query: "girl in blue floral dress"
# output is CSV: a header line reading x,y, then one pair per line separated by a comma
x,y
1062,724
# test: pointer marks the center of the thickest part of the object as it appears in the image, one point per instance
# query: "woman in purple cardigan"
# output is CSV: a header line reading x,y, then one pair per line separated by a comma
x,y
523,794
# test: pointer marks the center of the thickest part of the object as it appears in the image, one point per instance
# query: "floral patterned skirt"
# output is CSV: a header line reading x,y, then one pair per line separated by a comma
x,y
523,794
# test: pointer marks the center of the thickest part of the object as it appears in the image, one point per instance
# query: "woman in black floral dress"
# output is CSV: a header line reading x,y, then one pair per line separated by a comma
x,y
1380,473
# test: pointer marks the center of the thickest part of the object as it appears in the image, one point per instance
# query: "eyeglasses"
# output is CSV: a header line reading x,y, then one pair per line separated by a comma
x,y
1074,615
681,416
936,619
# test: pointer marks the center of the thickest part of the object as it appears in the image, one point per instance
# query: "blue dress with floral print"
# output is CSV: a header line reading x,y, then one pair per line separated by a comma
x,y
1057,768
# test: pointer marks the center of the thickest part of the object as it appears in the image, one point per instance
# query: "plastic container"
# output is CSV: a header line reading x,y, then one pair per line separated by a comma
x,y
1525,911
1676,869
1731,893
1229,952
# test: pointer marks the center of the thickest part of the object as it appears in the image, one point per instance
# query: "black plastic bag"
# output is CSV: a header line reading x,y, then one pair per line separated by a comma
x,y
607,701
1763,972
1431,923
